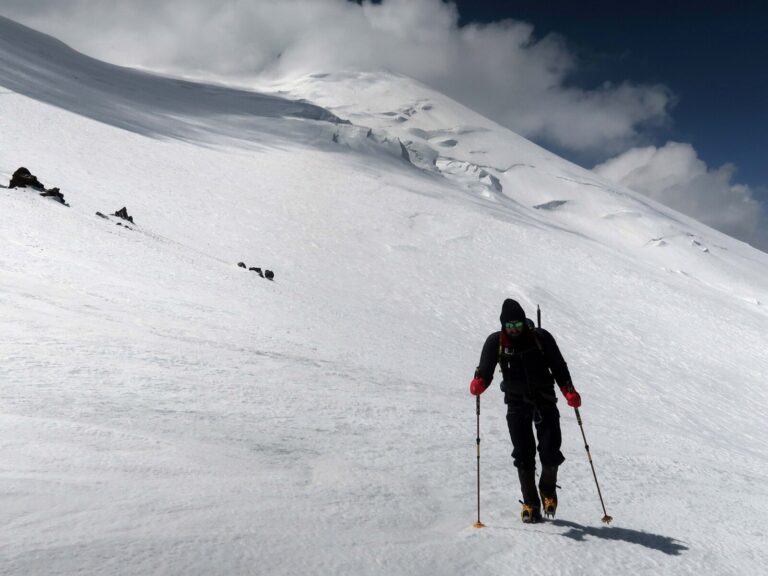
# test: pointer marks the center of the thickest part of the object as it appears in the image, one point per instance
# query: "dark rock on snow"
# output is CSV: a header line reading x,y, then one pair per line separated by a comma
x,y
123,213
54,194
23,178
268,274
100,215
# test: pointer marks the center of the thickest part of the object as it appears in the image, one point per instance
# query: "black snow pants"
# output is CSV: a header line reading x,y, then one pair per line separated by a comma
x,y
521,418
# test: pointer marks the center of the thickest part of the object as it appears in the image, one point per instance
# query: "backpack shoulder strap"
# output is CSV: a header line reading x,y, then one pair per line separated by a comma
x,y
536,339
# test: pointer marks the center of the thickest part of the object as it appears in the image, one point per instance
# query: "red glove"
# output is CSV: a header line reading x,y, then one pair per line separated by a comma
x,y
571,396
477,386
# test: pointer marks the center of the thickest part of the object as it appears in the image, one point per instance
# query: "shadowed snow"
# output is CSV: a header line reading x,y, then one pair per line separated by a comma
x,y
47,70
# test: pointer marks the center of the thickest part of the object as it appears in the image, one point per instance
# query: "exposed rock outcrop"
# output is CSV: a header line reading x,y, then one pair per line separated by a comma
x,y
23,178
123,213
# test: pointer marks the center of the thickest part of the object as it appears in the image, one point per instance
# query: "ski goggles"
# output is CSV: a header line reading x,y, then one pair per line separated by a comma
x,y
514,325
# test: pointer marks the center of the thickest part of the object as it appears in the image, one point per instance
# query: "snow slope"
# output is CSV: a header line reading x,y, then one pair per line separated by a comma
x,y
166,412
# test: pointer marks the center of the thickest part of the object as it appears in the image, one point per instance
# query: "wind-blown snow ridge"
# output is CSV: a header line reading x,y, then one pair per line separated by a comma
x,y
164,411
47,70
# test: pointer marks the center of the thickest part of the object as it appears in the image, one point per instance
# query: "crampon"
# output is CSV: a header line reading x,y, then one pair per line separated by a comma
x,y
530,514
550,506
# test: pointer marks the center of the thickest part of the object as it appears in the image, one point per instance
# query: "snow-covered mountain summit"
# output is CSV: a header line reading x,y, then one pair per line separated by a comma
x,y
501,166
164,411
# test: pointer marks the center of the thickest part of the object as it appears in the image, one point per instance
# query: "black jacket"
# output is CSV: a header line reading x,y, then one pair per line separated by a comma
x,y
524,366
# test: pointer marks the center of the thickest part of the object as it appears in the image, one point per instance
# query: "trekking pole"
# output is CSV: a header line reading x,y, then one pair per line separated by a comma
x,y
478,524
606,519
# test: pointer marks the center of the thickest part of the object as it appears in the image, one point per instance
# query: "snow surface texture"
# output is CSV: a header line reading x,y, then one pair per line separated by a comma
x,y
166,412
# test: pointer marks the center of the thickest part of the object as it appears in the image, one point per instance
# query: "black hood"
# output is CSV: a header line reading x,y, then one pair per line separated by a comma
x,y
511,311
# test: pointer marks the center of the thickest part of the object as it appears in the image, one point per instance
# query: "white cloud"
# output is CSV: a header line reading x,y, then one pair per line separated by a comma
x,y
502,69
675,175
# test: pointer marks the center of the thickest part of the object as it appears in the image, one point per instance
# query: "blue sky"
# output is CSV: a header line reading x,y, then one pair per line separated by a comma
x,y
711,55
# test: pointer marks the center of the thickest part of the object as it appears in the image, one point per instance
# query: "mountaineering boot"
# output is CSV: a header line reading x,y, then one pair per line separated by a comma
x,y
548,490
531,512
550,506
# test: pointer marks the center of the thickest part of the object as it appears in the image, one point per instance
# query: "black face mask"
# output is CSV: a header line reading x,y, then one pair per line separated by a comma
x,y
516,335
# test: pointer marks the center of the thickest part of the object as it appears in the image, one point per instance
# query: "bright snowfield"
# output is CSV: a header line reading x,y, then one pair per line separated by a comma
x,y
166,412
